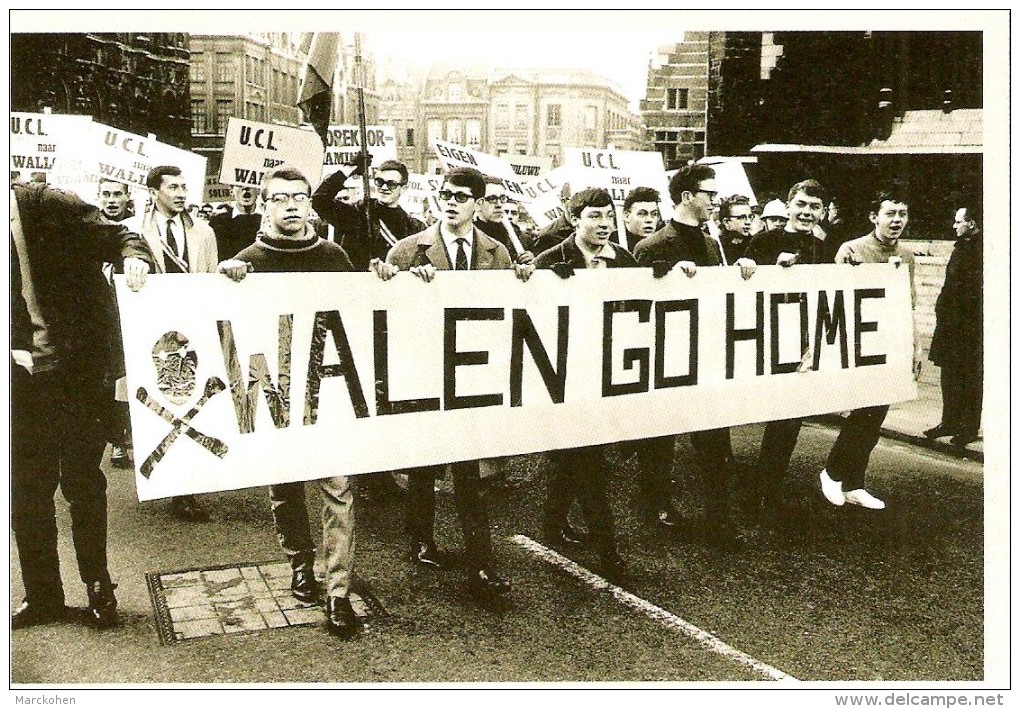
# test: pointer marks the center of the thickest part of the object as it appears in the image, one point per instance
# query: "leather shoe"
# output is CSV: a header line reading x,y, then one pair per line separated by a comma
x,y
487,589
303,583
188,508
102,610
565,538
340,619
428,554
28,614
962,440
939,431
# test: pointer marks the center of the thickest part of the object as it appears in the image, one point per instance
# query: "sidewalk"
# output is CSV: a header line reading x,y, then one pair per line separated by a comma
x,y
908,421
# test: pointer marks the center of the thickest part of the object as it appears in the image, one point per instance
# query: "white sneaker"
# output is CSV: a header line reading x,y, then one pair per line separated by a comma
x,y
865,499
832,490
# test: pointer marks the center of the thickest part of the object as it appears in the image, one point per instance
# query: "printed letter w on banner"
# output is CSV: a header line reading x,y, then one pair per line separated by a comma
x,y
245,396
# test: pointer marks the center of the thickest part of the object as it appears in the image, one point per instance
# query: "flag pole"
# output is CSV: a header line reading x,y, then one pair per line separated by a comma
x,y
360,74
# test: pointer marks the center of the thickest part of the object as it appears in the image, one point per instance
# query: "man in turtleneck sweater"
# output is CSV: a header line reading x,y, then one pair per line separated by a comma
x,y
288,244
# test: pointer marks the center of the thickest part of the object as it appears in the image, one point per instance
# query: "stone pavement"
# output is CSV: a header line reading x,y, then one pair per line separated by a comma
x,y
908,421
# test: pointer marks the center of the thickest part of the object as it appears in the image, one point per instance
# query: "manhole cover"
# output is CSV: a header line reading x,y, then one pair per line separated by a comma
x,y
238,598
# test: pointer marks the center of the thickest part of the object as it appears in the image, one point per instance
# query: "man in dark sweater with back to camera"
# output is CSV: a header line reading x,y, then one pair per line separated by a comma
x,y
289,245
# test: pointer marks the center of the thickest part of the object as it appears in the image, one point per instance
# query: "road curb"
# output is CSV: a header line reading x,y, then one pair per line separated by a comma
x,y
947,448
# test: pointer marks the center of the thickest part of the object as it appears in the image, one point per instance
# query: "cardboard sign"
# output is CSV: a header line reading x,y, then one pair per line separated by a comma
x,y
41,142
529,167
730,178
127,157
420,187
287,377
251,149
215,191
343,143
453,155
619,171
542,195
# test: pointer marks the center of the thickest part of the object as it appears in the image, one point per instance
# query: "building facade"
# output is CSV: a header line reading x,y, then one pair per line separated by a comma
x,y
675,106
252,76
133,81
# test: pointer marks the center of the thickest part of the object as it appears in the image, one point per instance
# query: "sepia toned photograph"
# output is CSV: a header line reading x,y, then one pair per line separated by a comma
x,y
264,435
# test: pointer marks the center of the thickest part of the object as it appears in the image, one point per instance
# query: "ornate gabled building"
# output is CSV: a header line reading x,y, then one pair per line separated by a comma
x,y
134,81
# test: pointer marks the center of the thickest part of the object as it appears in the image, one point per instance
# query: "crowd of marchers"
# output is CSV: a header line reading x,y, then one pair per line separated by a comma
x,y
68,398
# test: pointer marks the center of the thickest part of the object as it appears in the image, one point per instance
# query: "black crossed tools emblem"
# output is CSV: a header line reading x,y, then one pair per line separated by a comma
x,y
175,363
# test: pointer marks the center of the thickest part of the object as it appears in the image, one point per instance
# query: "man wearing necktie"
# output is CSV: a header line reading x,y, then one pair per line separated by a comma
x,y
180,245
453,243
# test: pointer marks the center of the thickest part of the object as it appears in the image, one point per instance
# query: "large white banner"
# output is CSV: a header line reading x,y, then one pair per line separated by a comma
x,y
343,143
128,157
286,377
250,149
43,142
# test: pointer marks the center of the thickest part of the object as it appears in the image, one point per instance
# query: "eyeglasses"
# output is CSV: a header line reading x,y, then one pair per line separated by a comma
x,y
496,199
711,193
284,197
460,197
743,217
388,184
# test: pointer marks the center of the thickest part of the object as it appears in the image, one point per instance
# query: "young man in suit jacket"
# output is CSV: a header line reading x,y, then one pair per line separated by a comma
x,y
452,243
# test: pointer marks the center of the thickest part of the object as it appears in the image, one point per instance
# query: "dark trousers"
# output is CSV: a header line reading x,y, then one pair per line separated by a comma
x,y
57,440
961,397
474,522
655,461
581,473
777,444
848,459
715,457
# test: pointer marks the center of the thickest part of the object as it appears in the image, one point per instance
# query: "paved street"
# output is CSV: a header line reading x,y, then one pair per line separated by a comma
x,y
838,594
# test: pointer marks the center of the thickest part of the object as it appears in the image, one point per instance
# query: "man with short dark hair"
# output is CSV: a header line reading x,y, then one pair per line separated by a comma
x,y
180,244
491,219
640,215
60,398
553,234
842,479
682,245
390,222
453,244
236,230
583,473
786,245
288,245
735,218
957,345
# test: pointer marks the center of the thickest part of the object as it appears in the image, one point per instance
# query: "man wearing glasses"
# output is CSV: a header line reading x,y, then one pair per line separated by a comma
x,y
491,218
453,244
736,218
288,244
389,222
682,245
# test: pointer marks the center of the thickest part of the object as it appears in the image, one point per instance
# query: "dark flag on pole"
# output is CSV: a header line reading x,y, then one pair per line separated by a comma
x,y
316,96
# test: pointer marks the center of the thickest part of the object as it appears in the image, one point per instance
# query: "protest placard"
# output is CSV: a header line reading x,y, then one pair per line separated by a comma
x,y
250,149
420,187
619,171
40,142
542,195
127,157
216,191
528,167
453,155
343,143
287,377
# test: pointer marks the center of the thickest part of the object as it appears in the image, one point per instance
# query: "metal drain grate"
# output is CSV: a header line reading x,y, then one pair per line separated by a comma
x,y
238,598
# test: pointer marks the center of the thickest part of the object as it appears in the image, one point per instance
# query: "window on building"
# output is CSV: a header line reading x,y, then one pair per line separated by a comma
x,y
456,92
553,117
473,133
502,149
454,134
198,67
502,116
225,66
198,117
224,110
410,138
521,117
435,130
590,117
522,151
676,99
